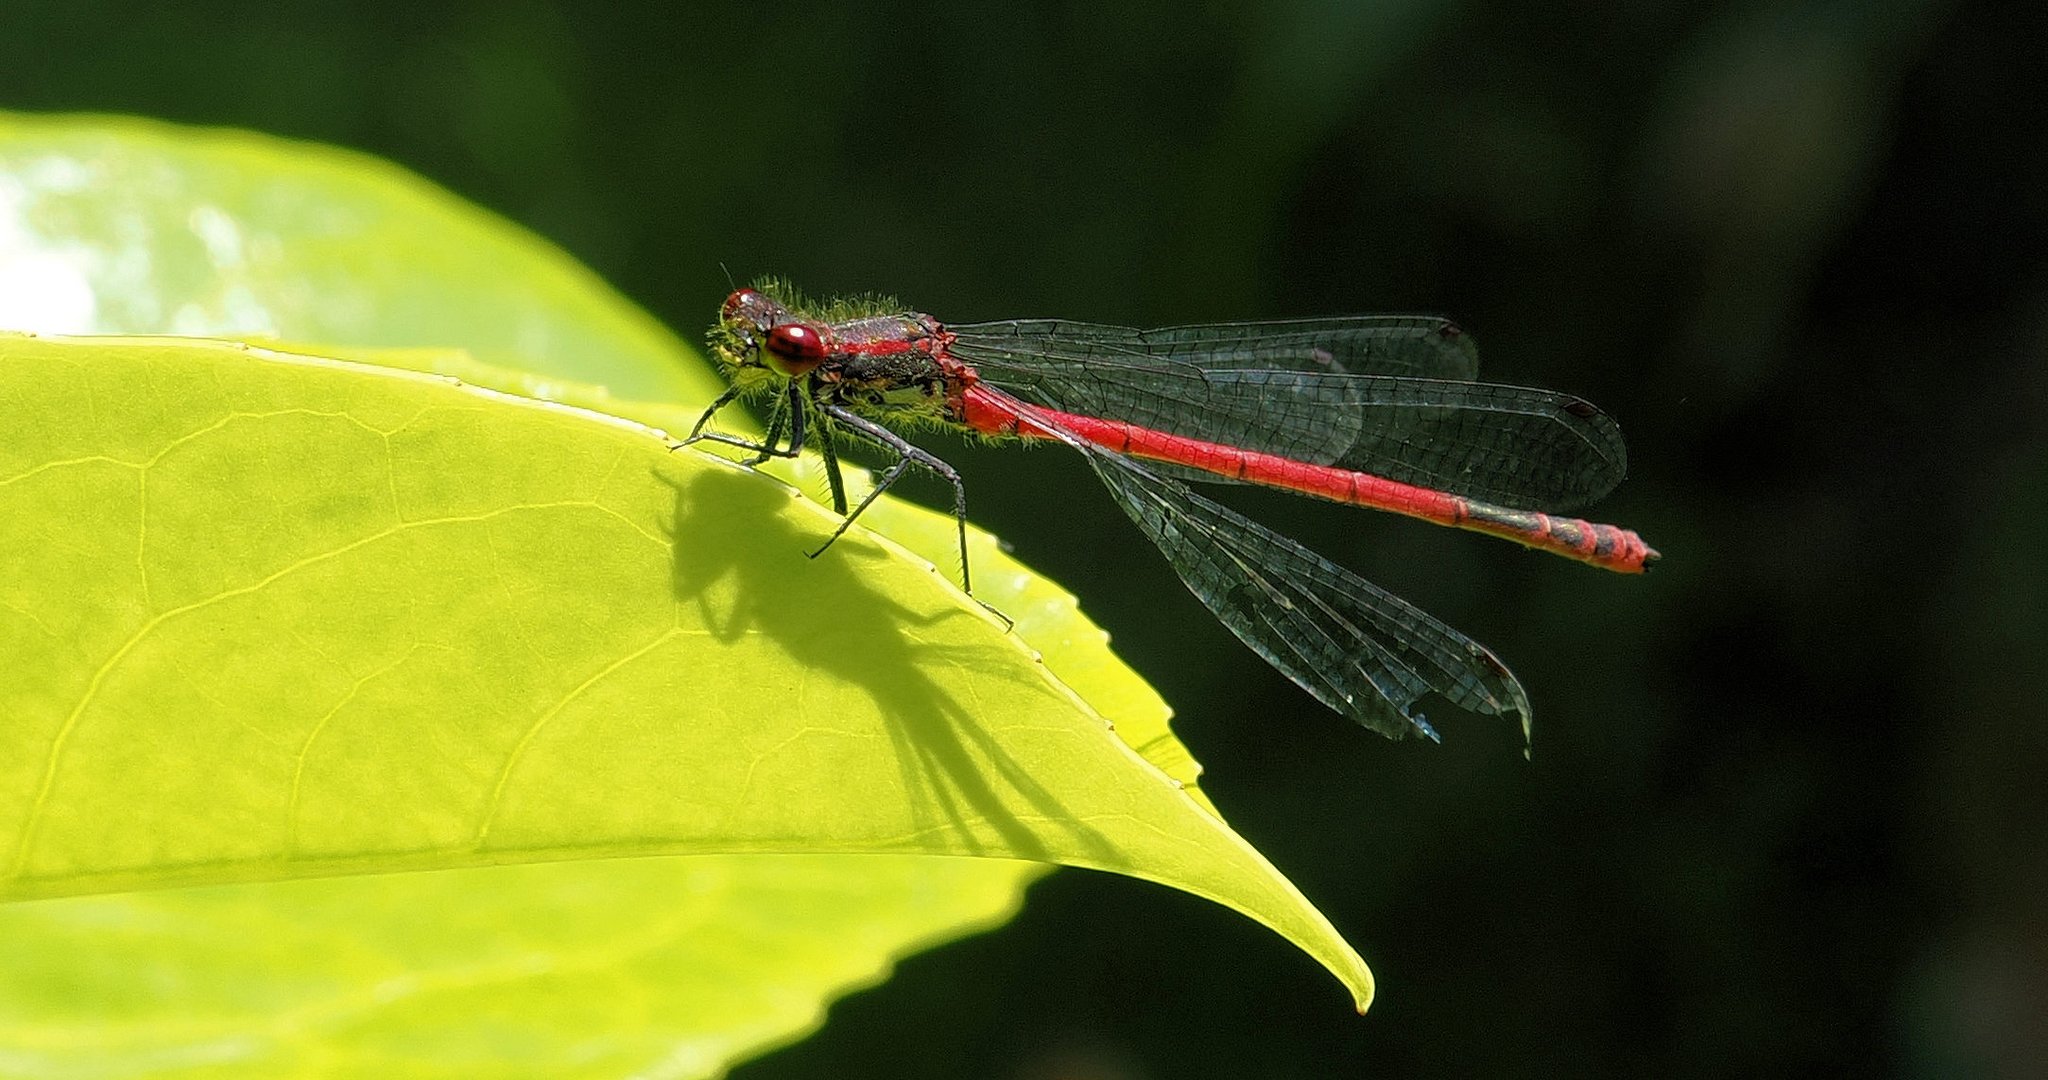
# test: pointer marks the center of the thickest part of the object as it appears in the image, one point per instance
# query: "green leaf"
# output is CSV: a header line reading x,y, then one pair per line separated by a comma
x,y
273,615
115,225
670,967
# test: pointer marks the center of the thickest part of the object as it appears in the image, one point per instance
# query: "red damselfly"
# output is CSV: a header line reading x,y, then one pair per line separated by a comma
x,y
1377,410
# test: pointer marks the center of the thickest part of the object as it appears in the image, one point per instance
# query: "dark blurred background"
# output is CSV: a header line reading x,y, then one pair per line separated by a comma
x,y
1787,813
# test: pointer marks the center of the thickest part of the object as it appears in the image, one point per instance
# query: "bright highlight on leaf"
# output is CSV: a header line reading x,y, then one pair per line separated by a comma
x,y
274,617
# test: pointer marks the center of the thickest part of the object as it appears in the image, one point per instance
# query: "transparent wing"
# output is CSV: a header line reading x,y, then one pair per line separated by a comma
x,y
1360,650
1517,446
1425,346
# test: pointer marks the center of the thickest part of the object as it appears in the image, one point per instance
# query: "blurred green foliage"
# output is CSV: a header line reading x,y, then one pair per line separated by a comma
x,y
1784,812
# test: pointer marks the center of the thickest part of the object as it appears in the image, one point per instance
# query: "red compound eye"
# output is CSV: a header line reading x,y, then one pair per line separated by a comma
x,y
799,347
739,302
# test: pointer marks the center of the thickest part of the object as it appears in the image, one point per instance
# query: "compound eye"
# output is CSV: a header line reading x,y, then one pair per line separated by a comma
x,y
739,303
798,347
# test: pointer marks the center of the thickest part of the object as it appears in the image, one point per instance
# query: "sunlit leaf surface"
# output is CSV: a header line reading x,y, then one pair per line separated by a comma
x,y
271,616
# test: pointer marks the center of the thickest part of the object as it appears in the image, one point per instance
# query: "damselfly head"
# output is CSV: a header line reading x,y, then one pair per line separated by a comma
x,y
752,308
755,331
743,326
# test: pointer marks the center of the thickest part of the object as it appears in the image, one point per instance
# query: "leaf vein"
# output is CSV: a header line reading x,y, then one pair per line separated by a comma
x,y
533,730
40,804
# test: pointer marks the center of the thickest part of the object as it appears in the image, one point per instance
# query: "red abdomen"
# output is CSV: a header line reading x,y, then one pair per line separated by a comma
x,y
1607,546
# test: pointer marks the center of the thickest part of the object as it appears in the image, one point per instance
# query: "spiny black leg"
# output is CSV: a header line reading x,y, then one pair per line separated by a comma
x,y
907,455
832,478
794,395
830,452
777,424
766,452
790,415
762,450
731,394
793,400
